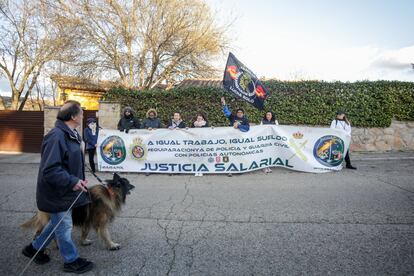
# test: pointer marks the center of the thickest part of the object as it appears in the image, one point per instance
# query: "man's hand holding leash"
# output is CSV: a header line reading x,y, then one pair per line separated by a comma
x,y
81,185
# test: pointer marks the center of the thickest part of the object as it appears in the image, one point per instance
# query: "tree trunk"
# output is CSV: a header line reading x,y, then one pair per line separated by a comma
x,y
15,100
2,106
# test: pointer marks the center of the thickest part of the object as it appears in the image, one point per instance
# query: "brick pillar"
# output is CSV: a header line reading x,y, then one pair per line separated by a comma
x,y
109,114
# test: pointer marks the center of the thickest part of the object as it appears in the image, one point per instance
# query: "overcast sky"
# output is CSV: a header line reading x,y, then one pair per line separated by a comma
x,y
320,39
323,39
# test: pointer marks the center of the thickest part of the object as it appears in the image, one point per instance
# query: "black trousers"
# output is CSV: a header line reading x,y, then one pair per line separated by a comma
x,y
347,159
91,155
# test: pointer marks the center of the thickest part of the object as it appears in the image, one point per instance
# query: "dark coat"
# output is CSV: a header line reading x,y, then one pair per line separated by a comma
x,y
151,123
61,167
89,138
267,122
172,125
127,123
244,124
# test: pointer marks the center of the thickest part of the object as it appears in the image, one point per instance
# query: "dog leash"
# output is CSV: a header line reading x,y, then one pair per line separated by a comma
x,y
100,182
50,235
54,229
67,212
94,174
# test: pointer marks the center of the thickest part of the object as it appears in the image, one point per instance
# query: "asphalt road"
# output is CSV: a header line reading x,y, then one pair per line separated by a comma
x,y
285,223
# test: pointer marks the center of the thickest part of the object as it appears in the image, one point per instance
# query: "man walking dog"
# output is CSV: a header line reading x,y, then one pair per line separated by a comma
x,y
61,178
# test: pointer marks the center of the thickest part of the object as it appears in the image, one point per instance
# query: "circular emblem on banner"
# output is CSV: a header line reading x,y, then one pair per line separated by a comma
x,y
138,149
113,150
329,150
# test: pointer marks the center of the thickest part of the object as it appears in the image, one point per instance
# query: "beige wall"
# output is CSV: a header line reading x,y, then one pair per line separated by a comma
x,y
87,99
399,136
109,114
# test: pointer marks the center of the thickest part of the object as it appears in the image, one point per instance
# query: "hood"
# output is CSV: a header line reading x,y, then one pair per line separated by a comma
x,y
128,109
151,110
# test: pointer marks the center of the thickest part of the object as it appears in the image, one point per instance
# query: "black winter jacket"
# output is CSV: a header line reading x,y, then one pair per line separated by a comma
x,y
61,167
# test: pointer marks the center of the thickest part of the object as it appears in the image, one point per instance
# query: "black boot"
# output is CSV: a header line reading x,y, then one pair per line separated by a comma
x,y
349,166
78,266
41,257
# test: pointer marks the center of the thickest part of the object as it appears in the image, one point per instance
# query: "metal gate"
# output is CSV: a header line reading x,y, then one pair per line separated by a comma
x,y
21,131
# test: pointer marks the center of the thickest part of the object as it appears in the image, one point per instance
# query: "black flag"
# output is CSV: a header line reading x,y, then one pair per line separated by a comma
x,y
239,80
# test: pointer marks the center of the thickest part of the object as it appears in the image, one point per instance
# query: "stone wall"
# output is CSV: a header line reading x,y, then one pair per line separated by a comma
x,y
109,114
50,113
399,136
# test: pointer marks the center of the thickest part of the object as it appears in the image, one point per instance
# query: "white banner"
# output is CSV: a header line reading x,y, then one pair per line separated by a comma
x,y
222,149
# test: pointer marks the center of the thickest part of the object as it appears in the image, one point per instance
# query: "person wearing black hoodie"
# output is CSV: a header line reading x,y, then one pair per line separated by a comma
x,y
128,121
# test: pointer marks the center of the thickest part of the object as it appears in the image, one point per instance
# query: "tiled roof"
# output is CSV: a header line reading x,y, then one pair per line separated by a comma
x,y
217,83
70,82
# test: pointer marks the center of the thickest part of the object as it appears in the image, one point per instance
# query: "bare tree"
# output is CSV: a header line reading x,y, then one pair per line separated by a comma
x,y
31,37
146,42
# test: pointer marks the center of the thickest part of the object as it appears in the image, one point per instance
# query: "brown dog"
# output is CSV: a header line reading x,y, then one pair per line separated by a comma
x,y
106,203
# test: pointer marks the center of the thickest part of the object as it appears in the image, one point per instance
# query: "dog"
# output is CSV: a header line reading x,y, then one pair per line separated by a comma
x,y
106,202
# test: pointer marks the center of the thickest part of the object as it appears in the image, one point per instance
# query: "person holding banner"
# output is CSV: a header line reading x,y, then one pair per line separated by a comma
x,y
151,122
200,121
176,122
238,121
269,119
90,136
341,122
128,121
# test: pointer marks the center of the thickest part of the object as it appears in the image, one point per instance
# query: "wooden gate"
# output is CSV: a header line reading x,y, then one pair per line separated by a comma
x,y
21,131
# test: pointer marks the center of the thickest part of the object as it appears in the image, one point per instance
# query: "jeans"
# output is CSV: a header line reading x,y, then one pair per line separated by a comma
x,y
63,235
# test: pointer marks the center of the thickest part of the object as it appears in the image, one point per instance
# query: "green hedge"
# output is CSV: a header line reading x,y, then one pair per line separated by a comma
x,y
368,104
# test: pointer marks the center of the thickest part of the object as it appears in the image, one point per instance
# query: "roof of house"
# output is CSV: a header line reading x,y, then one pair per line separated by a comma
x,y
98,86
217,83
91,85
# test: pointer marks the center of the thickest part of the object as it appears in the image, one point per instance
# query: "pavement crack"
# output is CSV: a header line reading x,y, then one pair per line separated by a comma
x,y
390,184
141,268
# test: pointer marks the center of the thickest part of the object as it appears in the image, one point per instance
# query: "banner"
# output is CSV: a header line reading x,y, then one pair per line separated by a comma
x,y
239,80
222,149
